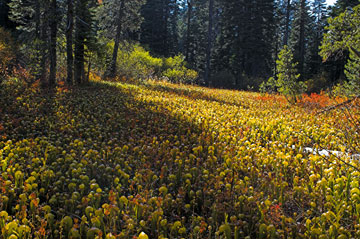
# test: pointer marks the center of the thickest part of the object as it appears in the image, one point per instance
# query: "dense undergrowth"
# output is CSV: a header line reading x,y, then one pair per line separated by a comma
x,y
112,160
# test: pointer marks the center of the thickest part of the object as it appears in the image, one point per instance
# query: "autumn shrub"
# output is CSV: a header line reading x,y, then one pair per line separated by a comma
x,y
7,53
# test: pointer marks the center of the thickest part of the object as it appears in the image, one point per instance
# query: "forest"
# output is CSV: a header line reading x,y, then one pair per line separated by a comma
x,y
219,43
225,119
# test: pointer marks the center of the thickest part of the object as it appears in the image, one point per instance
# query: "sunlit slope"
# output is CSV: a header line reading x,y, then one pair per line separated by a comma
x,y
116,159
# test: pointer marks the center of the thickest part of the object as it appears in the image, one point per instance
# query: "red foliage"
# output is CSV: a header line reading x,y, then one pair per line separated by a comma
x,y
315,100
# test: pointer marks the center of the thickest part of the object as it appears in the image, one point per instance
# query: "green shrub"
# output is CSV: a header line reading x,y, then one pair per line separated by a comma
x,y
268,86
134,62
175,70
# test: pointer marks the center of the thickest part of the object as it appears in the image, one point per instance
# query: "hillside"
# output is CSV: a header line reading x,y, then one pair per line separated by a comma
x,y
112,160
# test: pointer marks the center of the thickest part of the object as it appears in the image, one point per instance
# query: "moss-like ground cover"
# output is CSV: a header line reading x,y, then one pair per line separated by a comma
x,y
117,160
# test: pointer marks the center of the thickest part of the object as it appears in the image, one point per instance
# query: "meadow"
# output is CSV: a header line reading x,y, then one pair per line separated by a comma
x,y
160,160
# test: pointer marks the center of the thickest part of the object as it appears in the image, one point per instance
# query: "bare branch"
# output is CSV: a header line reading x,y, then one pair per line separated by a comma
x,y
338,105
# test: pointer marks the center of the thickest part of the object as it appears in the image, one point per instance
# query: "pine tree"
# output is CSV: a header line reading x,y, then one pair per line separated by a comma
x,y
300,35
343,35
83,34
198,36
53,40
245,43
4,15
69,41
342,5
287,21
209,42
36,21
159,29
319,19
188,28
287,77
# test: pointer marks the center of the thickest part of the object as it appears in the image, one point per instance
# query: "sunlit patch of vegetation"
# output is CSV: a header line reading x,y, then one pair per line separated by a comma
x,y
158,160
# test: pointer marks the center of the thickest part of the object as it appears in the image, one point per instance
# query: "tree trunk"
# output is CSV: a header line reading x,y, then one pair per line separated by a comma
x,y
69,42
43,46
112,71
287,22
37,18
302,38
209,43
166,32
79,45
53,33
88,71
188,31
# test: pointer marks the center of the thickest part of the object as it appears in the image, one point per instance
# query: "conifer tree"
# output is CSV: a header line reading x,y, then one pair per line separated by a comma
x,y
245,43
69,41
300,34
209,42
287,77
343,35
36,21
84,35
318,17
159,29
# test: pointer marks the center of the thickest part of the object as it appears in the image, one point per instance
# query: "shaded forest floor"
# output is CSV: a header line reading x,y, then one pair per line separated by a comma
x,y
115,159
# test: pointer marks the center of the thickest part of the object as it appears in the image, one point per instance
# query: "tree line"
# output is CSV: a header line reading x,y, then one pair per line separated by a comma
x,y
231,43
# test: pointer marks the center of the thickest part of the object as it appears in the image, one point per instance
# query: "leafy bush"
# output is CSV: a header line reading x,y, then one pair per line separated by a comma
x,y
268,86
345,89
134,62
176,72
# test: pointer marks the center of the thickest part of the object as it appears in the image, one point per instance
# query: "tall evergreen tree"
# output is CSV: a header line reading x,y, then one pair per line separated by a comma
x,y
209,42
300,35
69,41
188,28
197,35
245,42
37,29
53,40
159,28
319,17
342,5
83,35
287,21
4,15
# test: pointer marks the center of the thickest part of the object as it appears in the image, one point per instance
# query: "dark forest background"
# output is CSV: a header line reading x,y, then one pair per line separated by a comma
x,y
230,43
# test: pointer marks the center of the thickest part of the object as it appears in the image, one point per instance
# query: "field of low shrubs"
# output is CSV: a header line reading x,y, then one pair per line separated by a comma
x,y
158,160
